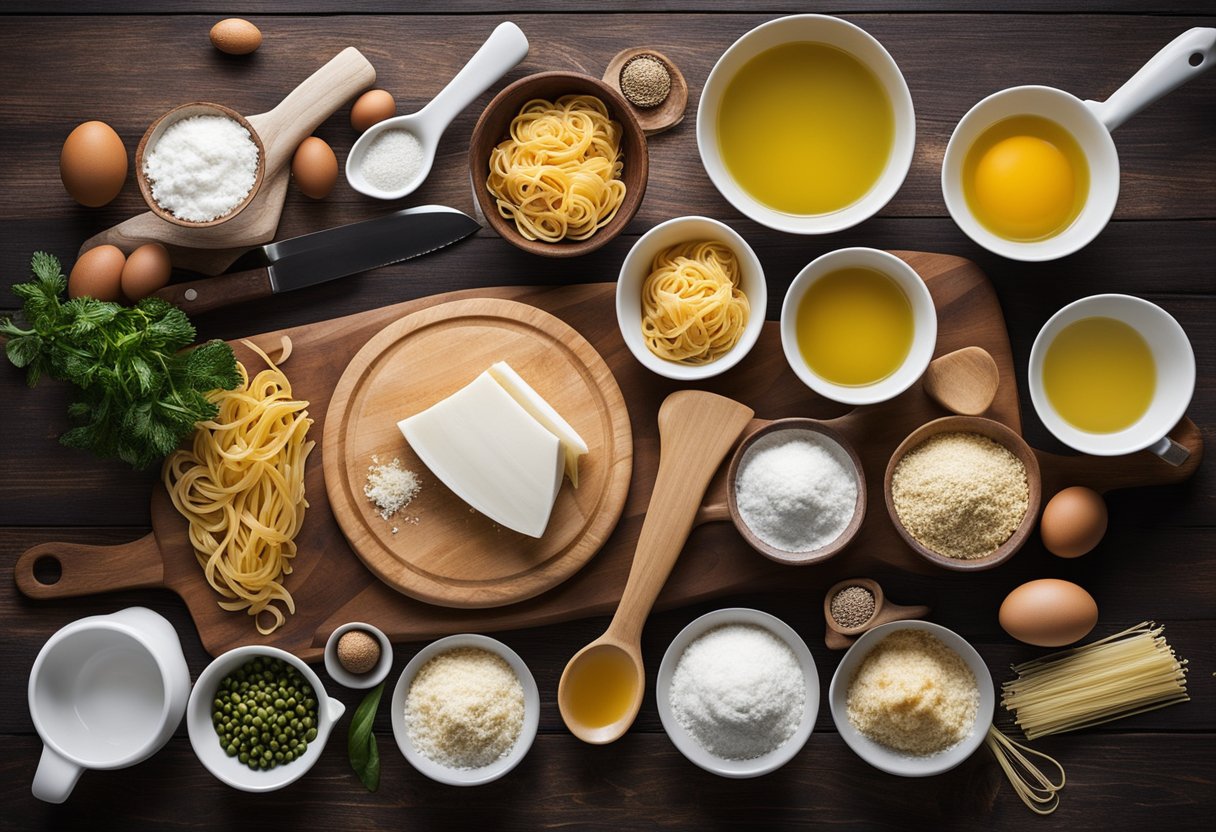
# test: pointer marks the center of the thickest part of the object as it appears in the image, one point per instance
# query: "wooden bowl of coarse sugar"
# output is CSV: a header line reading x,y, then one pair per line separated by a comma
x,y
1003,436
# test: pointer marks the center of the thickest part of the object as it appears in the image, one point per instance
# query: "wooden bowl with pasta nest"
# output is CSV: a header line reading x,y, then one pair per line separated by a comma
x,y
1004,436
631,308
494,127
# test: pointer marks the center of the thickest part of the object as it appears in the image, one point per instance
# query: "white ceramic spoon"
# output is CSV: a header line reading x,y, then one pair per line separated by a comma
x,y
506,47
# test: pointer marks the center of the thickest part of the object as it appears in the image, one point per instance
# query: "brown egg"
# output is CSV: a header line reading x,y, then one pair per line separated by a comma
x,y
314,168
93,164
1048,613
235,36
98,274
147,270
371,108
1073,522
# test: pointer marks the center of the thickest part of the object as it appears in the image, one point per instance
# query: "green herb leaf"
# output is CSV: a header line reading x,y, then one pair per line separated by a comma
x,y
139,395
361,742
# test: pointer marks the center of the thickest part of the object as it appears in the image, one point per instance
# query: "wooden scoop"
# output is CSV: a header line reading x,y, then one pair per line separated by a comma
x,y
696,430
209,249
963,381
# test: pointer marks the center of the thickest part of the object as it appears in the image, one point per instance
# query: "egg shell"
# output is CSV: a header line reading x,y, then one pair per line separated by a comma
x,y
93,164
236,36
371,108
1048,613
314,168
147,270
98,274
1073,522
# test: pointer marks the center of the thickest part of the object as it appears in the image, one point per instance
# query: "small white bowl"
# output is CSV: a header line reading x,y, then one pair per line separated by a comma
x,y
684,741
924,317
358,681
887,759
636,269
206,742
471,776
845,36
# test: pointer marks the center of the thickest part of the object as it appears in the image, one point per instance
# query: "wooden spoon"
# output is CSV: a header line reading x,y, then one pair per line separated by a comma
x,y
696,430
963,381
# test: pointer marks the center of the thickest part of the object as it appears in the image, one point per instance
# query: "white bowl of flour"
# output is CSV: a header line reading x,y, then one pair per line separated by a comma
x,y
738,692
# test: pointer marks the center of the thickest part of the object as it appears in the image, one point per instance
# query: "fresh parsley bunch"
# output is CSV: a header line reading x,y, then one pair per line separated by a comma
x,y
140,393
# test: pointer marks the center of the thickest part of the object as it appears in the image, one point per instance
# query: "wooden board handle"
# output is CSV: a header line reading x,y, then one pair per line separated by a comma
x,y
1109,473
696,430
198,296
283,128
86,570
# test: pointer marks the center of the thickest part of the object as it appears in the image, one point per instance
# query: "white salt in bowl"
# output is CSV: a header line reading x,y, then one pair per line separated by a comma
x,y
693,750
466,776
883,757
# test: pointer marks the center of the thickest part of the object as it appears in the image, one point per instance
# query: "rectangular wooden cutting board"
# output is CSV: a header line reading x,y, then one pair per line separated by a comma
x,y
331,586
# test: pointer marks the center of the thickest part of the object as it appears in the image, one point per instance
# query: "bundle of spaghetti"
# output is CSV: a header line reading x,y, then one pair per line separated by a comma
x,y
693,310
1124,674
558,176
241,487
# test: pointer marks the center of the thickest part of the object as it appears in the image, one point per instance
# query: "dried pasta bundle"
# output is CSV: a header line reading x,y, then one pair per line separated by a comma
x,y
241,487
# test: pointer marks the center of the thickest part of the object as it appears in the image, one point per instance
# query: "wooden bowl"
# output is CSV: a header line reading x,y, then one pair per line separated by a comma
x,y
998,433
662,116
493,127
157,129
814,555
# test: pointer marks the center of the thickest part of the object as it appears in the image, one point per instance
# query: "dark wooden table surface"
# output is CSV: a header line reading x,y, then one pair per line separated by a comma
x,y
126,61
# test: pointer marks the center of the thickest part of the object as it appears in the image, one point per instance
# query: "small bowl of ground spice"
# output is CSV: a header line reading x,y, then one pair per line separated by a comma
x,y
963,492
797,491
465,710
199,165
358,655
738,692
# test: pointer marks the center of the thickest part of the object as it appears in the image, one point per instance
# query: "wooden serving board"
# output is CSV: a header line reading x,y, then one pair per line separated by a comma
x,y
439,550
212,250
331,586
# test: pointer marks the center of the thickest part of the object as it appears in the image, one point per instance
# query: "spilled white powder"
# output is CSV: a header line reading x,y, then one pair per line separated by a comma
x,y
393,160
202,167
738,690
796,490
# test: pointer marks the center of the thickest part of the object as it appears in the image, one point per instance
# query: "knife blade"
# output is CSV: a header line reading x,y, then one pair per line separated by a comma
x,y
327,255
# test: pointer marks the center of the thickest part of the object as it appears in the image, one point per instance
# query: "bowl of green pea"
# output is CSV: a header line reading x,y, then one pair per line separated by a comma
x,y
258,718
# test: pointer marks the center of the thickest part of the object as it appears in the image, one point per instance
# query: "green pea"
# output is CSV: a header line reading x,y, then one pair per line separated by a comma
x,y
311,735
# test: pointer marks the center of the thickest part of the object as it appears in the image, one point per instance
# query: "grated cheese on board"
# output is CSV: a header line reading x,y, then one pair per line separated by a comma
x,y
465,708
390,487
913,694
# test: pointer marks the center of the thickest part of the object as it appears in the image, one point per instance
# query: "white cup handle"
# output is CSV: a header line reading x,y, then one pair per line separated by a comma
x,y
1166,71
1170,451
55,777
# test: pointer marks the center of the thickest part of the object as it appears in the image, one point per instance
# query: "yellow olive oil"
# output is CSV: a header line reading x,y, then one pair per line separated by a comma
x,y
854,326
1099,375
805,128
600,688
1025,178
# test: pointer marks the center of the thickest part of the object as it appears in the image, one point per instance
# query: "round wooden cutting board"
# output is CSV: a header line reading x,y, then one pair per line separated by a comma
x,y
438,549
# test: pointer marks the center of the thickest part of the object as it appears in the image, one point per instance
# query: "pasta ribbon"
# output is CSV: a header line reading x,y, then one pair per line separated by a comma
x,y
693,311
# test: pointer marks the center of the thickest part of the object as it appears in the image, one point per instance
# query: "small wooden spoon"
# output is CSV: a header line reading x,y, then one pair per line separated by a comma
x,y
838,638
963,381
696,430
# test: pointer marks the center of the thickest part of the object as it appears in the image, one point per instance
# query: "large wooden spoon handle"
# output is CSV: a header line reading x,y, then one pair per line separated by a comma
x,y
696,430
283,128
86,570
198,296
1108,473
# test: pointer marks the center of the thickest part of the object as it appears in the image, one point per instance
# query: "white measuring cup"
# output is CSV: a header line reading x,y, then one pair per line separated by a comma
x,y
1090,123
105,692
506,47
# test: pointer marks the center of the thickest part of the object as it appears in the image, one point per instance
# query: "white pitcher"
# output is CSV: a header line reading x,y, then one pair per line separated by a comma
x,y
105,692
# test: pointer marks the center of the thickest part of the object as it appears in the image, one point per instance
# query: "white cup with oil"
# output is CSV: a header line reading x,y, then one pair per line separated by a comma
x,y
1046,195
1111,375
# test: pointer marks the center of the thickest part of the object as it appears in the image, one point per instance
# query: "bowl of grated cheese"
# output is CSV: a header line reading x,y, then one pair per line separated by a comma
x,y
912,698
465,710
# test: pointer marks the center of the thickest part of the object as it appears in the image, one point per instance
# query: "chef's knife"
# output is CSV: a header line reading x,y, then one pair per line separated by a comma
x,y
328,255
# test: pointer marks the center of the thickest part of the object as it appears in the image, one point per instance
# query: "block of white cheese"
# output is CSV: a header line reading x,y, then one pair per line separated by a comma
x,y
573,445
495,455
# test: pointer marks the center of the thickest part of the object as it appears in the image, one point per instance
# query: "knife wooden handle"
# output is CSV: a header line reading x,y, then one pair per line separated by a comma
x,y
198,296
